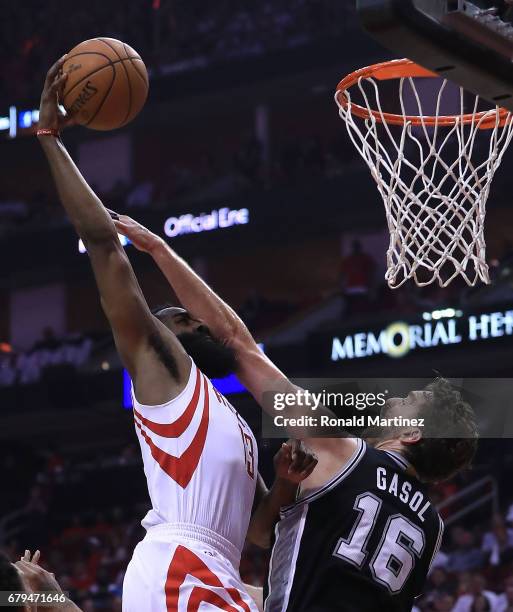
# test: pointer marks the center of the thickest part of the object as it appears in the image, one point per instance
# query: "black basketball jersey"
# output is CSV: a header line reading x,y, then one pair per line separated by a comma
x,y
361,543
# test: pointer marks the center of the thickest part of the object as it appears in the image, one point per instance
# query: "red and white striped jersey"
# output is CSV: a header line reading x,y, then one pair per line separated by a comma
x,y
200,460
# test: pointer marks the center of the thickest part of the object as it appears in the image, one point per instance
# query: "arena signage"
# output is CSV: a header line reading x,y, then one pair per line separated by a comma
x,y
190,224
399,338
205,222
18,119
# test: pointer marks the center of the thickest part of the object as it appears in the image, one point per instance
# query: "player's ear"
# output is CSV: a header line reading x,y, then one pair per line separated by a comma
x,y
410,436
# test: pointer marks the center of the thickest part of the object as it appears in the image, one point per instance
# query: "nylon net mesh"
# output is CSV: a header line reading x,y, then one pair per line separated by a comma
x,y
434,179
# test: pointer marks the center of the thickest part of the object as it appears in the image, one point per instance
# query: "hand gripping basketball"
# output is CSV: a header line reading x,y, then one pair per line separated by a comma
x,y
107,85
51,118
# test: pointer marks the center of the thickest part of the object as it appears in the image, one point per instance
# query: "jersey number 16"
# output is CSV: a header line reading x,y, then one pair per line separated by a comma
x,y
400,545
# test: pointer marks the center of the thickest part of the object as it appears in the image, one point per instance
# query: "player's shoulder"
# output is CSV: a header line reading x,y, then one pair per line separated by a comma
x,y
393,458
395,462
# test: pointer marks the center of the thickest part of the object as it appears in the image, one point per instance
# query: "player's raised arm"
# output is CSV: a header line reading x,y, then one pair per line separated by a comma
x,y
255,370
261,377
136,331
199,299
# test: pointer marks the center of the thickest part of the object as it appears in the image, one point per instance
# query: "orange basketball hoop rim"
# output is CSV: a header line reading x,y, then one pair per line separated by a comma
x,y
405,68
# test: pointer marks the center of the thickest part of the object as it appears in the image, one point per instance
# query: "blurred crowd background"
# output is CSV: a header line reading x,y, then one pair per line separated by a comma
x,y
240,116
171,35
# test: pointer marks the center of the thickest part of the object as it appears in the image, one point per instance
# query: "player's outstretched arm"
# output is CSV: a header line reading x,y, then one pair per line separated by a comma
x,y
256,371
261,377
293,463
122,299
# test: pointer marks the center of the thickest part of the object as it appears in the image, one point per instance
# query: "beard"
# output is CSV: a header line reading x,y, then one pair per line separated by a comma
x,y
213,358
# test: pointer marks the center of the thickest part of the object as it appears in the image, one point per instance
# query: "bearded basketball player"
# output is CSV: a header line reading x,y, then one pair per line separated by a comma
x,y
362,533
199,455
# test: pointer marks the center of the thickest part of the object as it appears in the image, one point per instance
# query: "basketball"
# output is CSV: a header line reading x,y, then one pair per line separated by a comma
x,y
107,84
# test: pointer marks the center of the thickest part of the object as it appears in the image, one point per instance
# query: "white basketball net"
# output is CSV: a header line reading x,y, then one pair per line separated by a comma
x,y
434,192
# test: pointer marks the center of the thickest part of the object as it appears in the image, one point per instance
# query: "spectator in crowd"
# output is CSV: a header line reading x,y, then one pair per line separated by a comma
x,y
498,542
444,603
466,556
476,598
481,604
505,600
439,585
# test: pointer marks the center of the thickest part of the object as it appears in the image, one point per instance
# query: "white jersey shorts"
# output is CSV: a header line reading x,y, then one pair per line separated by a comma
x,y
184,568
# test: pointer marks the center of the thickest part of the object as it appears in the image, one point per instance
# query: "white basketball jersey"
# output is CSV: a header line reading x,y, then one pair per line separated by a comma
x,y
200,460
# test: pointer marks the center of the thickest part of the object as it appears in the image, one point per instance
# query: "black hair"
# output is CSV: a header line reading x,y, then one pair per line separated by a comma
x,y
449,437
